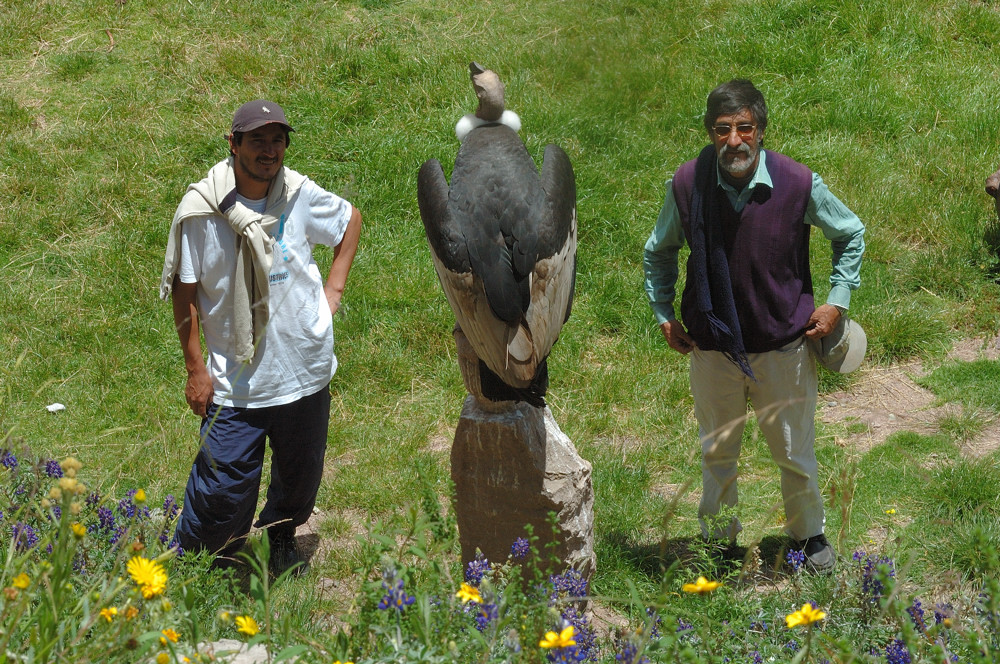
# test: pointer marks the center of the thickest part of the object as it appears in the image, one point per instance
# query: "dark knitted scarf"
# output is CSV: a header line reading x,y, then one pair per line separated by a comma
x,y
709,267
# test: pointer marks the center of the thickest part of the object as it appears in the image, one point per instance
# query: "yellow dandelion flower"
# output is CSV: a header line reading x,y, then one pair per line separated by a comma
x,y
247,625
109,613
21,581
163,658
149,575
79,530
807,615
563,639
140,496
891,511
469,593
701,587
339,662
170,634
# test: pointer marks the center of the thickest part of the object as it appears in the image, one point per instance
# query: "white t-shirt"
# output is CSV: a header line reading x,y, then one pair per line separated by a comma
x,y
295,358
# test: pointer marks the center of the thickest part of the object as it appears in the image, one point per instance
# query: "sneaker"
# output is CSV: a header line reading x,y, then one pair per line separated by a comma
x,y
820,556
285,554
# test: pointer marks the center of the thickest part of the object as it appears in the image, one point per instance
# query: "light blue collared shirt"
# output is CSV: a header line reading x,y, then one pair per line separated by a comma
x,y
840,226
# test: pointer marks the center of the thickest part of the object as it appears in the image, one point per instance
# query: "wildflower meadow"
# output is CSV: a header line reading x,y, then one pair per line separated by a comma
x,y
91,578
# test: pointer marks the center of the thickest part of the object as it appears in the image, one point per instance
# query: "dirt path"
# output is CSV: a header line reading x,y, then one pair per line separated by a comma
x,y
887,400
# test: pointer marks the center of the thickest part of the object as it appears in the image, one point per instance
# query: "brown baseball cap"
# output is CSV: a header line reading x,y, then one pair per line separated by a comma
x,y
258,113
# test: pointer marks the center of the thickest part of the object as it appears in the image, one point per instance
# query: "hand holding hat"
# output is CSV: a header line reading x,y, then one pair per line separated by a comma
x,y
843,349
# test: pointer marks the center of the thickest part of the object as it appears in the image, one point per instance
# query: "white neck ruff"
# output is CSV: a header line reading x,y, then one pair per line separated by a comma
x,y
470,122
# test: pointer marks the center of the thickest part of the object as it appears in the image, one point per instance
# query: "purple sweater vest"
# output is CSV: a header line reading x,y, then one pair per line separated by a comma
x,y
767,246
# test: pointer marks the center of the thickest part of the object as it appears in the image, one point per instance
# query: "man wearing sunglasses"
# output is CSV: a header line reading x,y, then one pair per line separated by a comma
x,y
747,307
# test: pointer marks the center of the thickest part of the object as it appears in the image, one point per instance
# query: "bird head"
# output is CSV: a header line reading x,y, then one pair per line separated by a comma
x,y
489,90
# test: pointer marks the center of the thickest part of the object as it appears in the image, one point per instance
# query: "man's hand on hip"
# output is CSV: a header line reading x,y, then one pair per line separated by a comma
x,y
677,337
822,321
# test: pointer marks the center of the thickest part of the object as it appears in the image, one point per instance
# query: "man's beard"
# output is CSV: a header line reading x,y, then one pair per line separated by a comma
x,y
739,164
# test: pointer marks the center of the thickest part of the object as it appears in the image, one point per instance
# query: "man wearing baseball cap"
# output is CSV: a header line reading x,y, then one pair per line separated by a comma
x,y
239,270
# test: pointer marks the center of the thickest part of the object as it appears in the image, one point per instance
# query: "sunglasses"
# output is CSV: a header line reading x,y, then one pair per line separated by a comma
x,y
744,131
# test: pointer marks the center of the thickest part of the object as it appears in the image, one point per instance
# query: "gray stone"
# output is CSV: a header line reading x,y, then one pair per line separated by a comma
x,y
236,652
512,465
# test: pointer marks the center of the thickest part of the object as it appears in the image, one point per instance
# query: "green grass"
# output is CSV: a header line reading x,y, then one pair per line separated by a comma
x,y
111,108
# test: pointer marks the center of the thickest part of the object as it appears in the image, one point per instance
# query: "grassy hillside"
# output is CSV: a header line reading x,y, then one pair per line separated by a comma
x,y
110,108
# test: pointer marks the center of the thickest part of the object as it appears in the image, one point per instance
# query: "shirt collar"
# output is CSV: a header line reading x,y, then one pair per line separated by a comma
x,y
761,176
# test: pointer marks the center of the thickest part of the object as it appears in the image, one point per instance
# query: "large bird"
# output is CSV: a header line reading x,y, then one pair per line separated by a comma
x,y
503,240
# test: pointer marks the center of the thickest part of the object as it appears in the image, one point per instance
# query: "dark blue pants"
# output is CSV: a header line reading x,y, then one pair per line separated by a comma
x,y
222,491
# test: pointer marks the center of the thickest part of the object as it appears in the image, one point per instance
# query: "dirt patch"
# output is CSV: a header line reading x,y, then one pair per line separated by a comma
x,y
440,441
887,400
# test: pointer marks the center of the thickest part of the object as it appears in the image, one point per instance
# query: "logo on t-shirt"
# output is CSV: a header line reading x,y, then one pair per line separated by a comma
x,y
280,240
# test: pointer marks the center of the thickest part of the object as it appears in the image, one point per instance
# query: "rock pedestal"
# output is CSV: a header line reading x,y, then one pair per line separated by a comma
x,y
512,465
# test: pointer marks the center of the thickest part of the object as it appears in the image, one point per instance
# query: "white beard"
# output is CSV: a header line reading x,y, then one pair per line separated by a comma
x,y
738,165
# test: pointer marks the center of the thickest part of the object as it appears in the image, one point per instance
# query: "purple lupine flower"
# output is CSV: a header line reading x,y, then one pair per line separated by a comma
x,y
486,613
170,507
897,653
126,506
871,585
395,596
565,655
586,637
117,534
106,518
570,584
24,535
795,559
53,469
8,460
942,611
916,612
519,549
654,626
629,654
476,569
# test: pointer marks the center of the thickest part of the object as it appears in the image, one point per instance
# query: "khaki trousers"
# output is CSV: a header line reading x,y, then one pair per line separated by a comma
x,y
784,401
